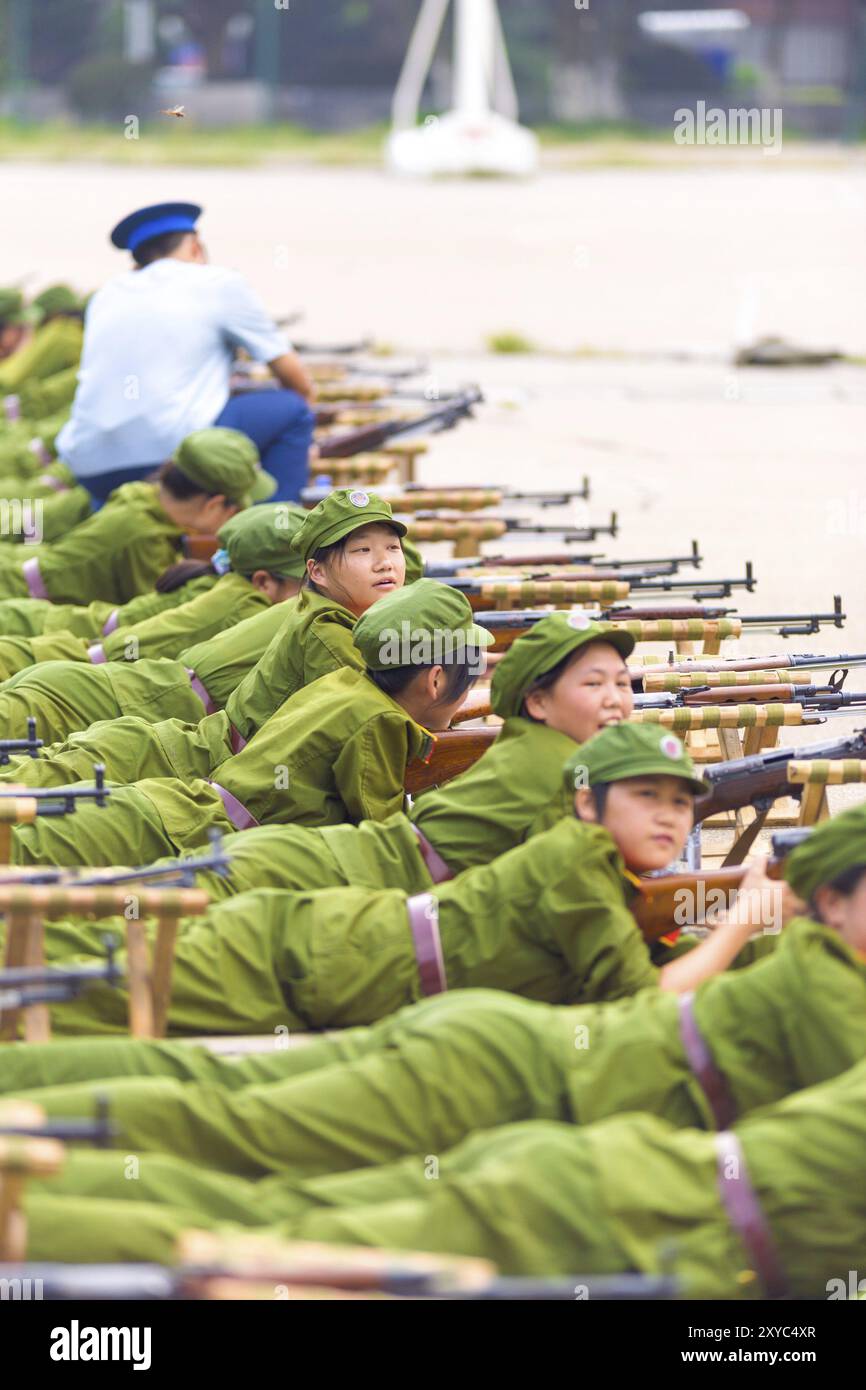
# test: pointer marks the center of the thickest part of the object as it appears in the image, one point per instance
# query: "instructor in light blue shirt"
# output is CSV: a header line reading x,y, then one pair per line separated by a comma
x,y
159,342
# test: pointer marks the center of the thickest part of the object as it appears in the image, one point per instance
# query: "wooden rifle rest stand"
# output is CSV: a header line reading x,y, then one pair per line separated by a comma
x,y
14,810
25,910
21,1158
368,470
816,775
466,533
405,452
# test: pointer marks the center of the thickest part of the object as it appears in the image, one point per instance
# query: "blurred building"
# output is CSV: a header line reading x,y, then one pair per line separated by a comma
x,y
334,66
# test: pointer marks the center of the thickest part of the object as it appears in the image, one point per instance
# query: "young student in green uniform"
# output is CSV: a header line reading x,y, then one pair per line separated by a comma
x,y
55,345
351,546
370,565
255,568
120,551
39,399
336,751
145,690
15,322
549,920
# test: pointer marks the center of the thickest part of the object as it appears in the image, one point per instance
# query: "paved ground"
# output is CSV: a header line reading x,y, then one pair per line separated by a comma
x,y
762,465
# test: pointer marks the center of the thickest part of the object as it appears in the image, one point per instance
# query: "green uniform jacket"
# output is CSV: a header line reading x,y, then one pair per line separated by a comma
x,y
222,662
115,554
53,348
492,806
227,602
314,640
187,751
336,752
40,399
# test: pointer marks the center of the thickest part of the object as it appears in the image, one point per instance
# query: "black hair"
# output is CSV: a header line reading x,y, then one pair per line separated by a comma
x,y
181,573
186,570
156,247
181,487
549,678
322,555
461,676
845,883
62,314
599,796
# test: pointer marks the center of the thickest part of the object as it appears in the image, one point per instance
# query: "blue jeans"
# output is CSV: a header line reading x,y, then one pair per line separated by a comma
x,y
280,424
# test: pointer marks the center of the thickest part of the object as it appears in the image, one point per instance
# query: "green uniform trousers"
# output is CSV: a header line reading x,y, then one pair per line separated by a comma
x,y
537,1198
65,697
35,617
428,1075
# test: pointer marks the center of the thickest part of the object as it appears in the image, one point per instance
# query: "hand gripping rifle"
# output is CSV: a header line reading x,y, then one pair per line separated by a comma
x,y
660,900
444,417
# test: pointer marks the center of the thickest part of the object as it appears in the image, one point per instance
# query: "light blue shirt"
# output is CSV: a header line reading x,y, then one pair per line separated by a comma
x,y
156,362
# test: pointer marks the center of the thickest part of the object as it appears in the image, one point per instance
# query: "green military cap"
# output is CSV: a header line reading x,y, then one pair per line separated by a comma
x,y
423,624
414,561
341,512
542,647
260,538
225,461
832,847
12,306
630,750
56,299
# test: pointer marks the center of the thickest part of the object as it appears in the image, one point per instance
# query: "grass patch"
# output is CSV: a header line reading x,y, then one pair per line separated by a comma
x,y
164,141
161,142
508,342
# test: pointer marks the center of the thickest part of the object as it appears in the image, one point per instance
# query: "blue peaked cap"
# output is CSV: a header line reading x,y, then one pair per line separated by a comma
x,y
154,221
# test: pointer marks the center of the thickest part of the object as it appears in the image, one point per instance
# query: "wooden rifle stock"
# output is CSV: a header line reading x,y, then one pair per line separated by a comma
x,y
454,751
659,899
475,706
